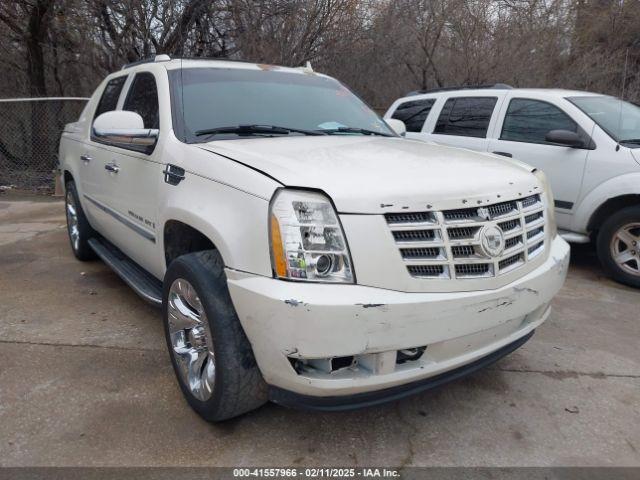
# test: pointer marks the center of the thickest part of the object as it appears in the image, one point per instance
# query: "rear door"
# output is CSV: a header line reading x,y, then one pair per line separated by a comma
x,y
523,125
465,120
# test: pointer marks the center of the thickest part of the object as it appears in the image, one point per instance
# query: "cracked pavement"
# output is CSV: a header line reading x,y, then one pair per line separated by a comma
x,y
86,381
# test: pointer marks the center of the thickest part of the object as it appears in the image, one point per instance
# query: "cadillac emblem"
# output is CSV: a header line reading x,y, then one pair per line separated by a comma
x,y
492,240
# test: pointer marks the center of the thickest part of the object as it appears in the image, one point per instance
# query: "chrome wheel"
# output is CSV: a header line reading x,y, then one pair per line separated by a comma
x,y
191,341
625,246
72,220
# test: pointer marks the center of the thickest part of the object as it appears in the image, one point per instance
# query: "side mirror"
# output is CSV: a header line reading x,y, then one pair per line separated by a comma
x,y
566,138
397,126
124,129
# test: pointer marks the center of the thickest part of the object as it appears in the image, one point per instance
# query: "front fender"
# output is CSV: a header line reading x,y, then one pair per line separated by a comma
x,y
235,221
627,184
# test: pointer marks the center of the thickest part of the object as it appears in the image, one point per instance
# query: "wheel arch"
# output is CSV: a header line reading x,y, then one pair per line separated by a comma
x,y
67,177
609,207
615,193
234,222
180,238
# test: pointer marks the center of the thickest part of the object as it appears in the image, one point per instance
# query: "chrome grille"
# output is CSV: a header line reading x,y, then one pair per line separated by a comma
x,y
463,251
533,217
529,201
509,225
535,232
473,213
427,270
510,261
462,214
502,209
418,217
427,252
414,235
509,243
533,250
448,244
459,233
473,269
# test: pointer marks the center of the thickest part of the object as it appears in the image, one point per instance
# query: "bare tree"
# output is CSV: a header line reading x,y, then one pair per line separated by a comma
x,y
30,23
383,48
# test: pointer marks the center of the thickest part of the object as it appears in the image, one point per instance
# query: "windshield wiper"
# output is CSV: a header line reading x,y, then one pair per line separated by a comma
x,y
363,131
255,129
630,140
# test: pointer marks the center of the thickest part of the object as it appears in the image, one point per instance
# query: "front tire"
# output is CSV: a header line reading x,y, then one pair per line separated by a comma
x,y
210,353
619,246
78,227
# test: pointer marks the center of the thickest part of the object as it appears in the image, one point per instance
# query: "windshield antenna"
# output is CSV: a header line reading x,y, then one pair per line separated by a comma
x,y
624,79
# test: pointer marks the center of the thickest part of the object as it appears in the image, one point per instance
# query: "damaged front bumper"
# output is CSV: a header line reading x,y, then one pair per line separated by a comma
x,y
343,342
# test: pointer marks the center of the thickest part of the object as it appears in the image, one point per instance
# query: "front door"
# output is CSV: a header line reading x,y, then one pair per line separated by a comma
x,y
91,155
525,124
130,182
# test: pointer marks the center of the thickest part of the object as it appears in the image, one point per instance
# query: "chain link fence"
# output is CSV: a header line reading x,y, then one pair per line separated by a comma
x,y
30,131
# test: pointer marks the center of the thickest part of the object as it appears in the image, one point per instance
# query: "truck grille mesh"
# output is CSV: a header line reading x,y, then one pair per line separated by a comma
x,y
414,235
509,225
472,269
418,217
463,251
448,244
428,252
462,232
426,270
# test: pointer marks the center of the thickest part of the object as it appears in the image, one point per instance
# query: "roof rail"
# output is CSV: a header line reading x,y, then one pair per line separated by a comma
x,y
155,58
496,86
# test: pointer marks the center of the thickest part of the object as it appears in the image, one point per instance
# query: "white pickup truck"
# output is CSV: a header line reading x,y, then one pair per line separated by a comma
x,y
301,250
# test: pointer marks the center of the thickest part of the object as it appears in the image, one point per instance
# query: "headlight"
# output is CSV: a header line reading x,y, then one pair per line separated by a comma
x,y
307,241
548,196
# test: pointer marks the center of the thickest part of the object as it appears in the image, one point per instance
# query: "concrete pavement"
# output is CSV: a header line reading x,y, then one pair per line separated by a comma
x,y
86,380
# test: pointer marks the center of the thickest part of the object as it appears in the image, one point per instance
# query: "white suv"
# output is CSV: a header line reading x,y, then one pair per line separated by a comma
x,y
587,144
301,250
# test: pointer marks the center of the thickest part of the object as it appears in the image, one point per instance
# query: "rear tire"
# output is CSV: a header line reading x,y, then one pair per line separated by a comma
x,y
618,246
78,227
211,355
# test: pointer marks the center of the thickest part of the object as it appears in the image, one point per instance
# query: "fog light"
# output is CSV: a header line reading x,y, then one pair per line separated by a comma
x,y
409,354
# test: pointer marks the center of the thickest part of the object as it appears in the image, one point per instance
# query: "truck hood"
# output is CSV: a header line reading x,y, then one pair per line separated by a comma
x,y
365,174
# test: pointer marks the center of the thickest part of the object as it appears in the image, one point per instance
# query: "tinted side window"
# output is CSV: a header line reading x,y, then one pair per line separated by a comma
x,y
414,113
530,121
466,116
109,99
143,99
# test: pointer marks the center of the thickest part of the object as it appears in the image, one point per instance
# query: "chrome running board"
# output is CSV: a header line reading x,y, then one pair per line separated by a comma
x,y
141,281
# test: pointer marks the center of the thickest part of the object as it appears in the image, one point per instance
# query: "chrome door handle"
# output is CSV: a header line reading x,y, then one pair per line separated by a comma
x,y
504,154
112,167
85,158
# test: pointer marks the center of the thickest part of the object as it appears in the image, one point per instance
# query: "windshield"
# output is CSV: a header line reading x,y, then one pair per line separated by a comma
x,y
620,119
211,99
